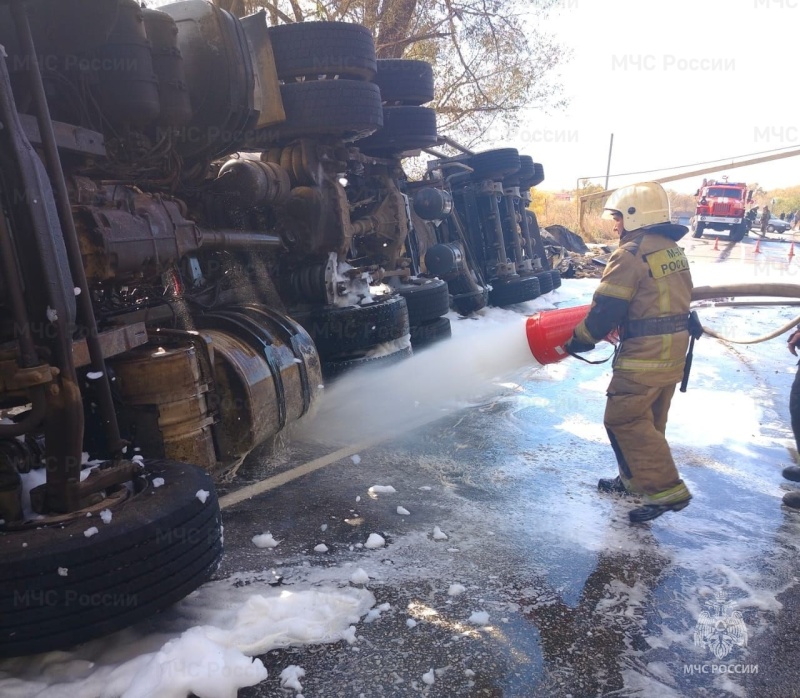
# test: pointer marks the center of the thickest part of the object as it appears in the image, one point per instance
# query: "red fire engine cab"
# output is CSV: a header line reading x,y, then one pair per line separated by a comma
x,y
721,206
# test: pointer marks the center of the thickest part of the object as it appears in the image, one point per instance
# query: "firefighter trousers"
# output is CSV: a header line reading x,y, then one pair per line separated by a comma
x,y
636,421
794,407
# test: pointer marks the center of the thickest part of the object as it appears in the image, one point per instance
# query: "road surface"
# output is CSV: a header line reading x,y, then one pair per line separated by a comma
x,y
578,601
500,570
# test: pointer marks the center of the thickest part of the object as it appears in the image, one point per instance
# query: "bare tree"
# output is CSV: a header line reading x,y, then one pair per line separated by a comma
x,y
490,58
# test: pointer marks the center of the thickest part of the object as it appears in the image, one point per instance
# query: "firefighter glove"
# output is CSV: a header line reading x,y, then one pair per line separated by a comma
x,y
576,346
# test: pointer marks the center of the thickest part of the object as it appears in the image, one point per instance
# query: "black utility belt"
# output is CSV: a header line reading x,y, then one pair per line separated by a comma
x,y
647,327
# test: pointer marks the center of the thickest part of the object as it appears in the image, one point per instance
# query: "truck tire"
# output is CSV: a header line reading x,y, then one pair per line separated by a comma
x,y
545,282
404,128
310,49
160,545
698,230
556,275
516,291
405,82
428,333
353,328
738,232
345,108
495,164
526,173
538,176
465,304
426,301
336,368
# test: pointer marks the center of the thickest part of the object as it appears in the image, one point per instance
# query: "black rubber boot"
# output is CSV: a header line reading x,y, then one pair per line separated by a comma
x,y
792,499
612,485
792,472
652,511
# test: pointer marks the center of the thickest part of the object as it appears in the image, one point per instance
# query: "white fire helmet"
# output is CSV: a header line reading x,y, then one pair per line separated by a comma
x,y
641,205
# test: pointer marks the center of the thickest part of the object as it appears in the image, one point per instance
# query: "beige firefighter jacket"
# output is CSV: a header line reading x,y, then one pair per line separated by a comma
x,y
646,277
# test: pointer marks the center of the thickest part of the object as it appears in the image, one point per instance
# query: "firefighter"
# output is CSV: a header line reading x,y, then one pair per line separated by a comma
x,y
792,472
765,216
644,294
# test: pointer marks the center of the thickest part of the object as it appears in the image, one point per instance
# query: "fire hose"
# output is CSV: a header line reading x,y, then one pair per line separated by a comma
x,y
757,290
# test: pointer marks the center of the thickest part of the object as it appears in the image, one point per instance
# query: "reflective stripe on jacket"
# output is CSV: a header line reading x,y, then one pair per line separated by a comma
x,y
646,277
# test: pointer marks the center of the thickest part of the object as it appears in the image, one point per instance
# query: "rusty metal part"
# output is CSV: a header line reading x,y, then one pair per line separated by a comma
x,y
90,491
367,225
267,375
16,379
301,160
133,234
316,220
390,223
318,217
254,183
63,433
93,504
112,342
164,395
105,477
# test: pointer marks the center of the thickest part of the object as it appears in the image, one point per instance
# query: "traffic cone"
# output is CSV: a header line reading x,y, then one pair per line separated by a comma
x,y
716,243
791,251
758,246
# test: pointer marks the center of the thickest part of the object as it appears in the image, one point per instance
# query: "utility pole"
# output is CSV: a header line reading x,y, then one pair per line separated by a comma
x,y
608,168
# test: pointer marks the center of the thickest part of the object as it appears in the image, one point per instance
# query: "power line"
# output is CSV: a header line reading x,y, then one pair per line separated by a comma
x,y
694,164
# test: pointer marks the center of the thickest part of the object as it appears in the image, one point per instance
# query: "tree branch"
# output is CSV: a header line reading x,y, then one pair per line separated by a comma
x,y
275,12
457,46
412,40
298,13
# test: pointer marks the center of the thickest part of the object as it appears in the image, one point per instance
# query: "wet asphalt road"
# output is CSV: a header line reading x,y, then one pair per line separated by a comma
x,y
579,602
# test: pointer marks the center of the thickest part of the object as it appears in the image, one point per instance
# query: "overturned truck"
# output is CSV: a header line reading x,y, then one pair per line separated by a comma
x,y
202,219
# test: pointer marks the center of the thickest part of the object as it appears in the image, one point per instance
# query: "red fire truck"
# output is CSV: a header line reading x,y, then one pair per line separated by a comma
x,y
721,206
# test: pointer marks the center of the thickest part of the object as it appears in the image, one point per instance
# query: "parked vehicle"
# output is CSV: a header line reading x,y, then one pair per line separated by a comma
x,y
777,225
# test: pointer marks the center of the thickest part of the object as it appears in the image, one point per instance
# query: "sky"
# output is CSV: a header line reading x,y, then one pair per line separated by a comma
x,y
677,83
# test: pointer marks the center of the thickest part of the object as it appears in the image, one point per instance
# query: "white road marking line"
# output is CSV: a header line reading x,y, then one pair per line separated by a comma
x,y
275,481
